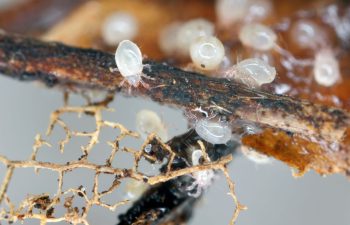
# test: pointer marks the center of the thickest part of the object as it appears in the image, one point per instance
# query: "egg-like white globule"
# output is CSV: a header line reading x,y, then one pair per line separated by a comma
x,y
307,34
326,68
259,10
148,122
189,31
168,38
229,12
255,156
207,52
118,27
258,36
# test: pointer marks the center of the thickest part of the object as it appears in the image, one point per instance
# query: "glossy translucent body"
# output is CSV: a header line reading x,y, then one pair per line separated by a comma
x,y
148,122
307,34
128,58
258,36
207,52
190,31
255,156
326,68
213,132
168,38
254,72
118,27
231,11
259,10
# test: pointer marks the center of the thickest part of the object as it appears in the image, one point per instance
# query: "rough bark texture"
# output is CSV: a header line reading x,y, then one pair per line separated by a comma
x,y
323,129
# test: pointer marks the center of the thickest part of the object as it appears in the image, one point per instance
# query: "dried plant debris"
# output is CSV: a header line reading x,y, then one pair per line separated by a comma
x,y
236,103
176,175
73,68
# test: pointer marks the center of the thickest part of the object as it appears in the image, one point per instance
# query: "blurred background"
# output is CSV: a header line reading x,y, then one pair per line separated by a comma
x,y
273,196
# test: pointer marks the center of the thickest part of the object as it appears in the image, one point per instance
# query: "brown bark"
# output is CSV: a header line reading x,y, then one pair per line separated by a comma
x,y
289,121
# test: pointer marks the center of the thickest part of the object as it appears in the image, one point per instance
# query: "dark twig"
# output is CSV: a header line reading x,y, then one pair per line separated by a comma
x,y
73,68
170,201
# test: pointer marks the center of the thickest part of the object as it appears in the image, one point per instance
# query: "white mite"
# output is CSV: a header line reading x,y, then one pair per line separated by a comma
x,y
229,12
128,58
259,10
307,34
255,156
262,38
213,132
252,72
339,21
168,38
189,32
202,179
134,189
326,68
148,122
207,52
119,26
258,36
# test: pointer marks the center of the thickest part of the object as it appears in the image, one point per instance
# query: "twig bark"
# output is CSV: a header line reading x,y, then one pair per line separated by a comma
x,y
73,68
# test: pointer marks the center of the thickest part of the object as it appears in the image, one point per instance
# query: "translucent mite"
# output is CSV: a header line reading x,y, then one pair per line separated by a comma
x,y
128,58
134,189
119,26
252,72
326,68
168,38
148,122
207,52
262,38
229,12
258,36
255,156
190,31
307,34
213,132
259,10
339,20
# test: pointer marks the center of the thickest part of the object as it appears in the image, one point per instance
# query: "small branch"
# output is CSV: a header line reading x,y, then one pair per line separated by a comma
x,y
71,68
5,182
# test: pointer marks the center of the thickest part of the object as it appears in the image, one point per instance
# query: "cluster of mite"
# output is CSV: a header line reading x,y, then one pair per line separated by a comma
x,y
195,39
